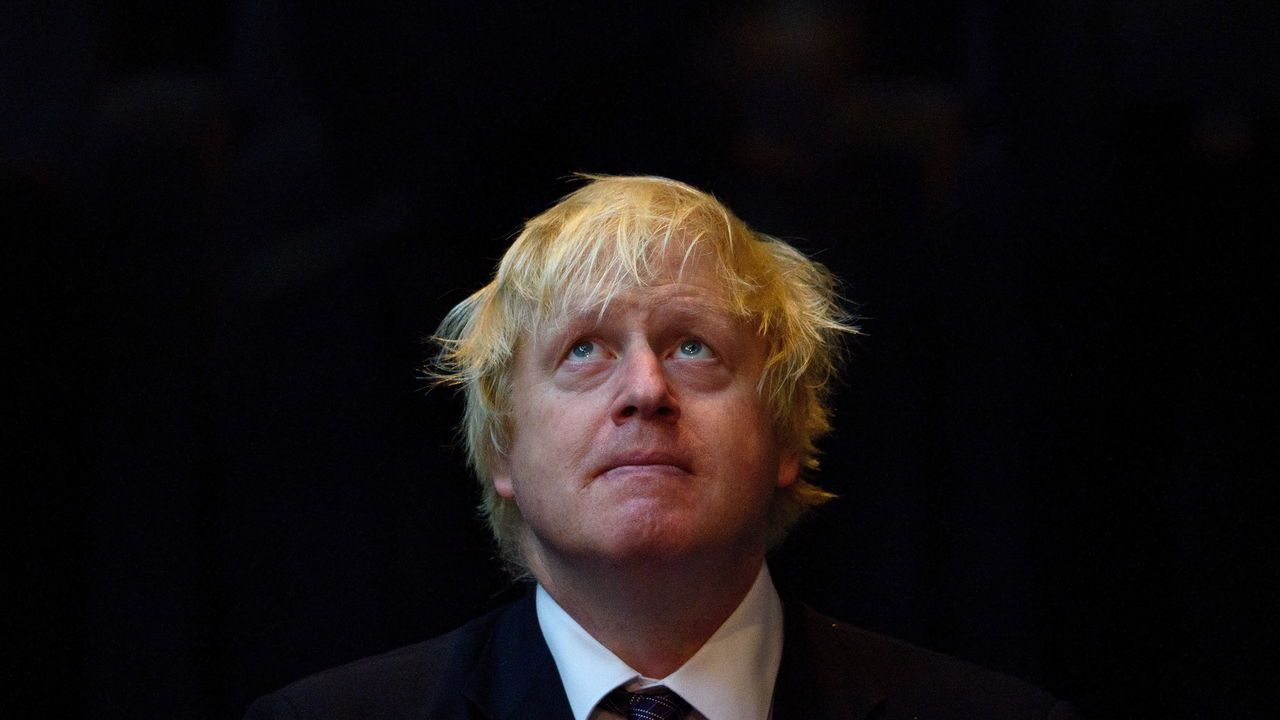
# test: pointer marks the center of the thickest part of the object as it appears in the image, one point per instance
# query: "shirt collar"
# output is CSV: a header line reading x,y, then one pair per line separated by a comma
x,y
731,676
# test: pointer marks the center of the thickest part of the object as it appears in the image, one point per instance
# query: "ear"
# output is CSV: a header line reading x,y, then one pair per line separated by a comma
x,y
501,475
788,468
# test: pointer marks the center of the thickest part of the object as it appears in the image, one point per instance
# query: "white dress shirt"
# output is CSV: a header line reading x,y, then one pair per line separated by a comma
x,y
731,677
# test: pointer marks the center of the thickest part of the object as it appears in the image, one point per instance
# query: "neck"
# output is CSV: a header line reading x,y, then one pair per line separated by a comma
x,y
654,616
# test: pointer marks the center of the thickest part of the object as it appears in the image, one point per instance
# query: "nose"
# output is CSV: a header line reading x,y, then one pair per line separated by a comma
x,y
644,392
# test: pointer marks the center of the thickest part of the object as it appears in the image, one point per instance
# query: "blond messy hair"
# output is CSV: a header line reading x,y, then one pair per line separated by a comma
x,y
612,234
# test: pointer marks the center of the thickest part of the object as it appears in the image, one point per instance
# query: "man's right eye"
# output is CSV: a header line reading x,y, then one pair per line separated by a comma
x,y
582,350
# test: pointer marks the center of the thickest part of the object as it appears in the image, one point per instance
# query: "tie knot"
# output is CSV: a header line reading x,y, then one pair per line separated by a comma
x,y
656,703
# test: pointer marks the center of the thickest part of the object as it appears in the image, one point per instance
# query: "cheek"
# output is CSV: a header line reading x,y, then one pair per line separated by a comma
x,y
748,431
551,438
728,431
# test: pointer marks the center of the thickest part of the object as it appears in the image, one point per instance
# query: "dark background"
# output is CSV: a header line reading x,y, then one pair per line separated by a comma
x,y
231,225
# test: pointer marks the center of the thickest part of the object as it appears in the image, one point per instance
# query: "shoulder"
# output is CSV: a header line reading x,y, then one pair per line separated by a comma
x,y
400,683
873,671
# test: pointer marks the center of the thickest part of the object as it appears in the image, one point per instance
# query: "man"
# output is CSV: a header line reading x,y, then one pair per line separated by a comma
x,y
645,379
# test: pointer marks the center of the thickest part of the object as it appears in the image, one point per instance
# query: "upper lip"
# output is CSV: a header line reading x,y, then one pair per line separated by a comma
x,y
643,457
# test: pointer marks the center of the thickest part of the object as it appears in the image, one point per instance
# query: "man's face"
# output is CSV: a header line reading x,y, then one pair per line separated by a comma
x,y
639,436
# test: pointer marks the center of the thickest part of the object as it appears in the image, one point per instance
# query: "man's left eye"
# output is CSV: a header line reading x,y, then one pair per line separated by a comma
x,y
694,348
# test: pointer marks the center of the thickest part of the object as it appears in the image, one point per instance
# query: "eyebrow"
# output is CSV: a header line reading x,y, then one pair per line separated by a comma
x,y
712,317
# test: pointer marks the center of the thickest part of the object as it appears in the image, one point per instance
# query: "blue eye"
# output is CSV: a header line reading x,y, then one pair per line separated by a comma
x,y
694,348
582,349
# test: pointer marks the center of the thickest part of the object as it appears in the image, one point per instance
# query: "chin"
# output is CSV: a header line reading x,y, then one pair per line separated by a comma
x,y
663,545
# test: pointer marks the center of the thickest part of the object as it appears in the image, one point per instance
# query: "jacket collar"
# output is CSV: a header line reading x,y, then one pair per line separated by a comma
x,y
821,674
515,675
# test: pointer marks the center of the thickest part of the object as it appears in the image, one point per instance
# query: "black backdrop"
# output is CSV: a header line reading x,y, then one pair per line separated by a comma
x,y
235,222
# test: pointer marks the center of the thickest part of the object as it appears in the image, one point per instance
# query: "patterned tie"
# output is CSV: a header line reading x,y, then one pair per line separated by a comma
x,y
657,703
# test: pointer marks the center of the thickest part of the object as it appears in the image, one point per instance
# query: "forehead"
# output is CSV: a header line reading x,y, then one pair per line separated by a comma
x,y
682,280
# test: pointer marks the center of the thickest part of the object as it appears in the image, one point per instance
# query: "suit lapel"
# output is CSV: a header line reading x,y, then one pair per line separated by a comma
x,y
819,677
515,675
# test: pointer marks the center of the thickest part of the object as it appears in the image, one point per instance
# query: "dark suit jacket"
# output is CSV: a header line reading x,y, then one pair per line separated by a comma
x,y
498,667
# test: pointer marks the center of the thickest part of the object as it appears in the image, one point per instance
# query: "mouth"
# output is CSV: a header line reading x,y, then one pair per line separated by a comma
x,y
647,463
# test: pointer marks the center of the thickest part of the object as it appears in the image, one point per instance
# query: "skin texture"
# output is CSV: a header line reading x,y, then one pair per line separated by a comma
x,y
643,456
